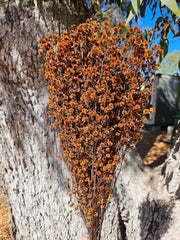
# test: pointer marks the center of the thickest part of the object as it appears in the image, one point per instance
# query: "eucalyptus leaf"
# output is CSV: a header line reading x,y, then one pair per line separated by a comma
x,y
35,3
40,3
135,6
164,45
172,5
166,26
177,35
142,10
154,13
171,26
167,30
160,19
21,3
130,16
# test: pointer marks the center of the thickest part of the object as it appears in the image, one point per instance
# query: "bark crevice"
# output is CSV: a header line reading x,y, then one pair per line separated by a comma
x,y
34,180
155,219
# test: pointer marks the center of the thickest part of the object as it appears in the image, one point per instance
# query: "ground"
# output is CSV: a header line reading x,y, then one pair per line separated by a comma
x,y
153,149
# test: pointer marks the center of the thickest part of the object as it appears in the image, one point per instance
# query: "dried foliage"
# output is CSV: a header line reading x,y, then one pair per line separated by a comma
x,y
4,218
99,83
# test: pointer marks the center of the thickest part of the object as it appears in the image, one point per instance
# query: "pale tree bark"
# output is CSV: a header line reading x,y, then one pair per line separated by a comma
x,y
33,179
146,200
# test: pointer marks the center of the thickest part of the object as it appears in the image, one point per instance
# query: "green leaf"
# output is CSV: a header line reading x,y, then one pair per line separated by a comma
x,y
40,3
153,15
35,3
134,10
164,45
172,29
21,3
166,26
172,5
130,16
143,34
177,35
160,19
154,6
167,30
142,10
135,5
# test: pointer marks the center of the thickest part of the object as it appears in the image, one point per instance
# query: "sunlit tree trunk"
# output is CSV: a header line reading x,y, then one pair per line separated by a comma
x,y
146,200
33,179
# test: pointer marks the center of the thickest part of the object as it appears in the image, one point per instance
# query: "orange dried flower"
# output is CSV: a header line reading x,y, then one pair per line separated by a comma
x,y
116,157
146,111
102,145
106,24
99,91
111,177
40,52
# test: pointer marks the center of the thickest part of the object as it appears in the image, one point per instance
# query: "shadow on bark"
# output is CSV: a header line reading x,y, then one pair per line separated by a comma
x,y
158,162
155,219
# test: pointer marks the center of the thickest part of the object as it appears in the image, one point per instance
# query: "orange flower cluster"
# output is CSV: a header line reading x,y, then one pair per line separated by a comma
x,y
99,83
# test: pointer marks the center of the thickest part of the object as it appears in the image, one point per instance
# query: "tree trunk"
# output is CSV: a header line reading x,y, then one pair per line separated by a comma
x,y
33,179
146,200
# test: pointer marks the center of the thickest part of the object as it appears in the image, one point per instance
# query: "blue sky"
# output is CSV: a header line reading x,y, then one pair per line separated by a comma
x,y
147,21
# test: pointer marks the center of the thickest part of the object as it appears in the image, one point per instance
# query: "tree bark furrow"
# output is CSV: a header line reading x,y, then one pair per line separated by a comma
x,y
146,200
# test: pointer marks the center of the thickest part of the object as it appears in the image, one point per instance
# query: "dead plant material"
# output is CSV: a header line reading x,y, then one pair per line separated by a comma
x,y
152,148
4,218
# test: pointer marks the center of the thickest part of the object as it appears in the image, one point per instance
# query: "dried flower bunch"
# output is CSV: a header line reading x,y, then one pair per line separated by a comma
x,y
99,83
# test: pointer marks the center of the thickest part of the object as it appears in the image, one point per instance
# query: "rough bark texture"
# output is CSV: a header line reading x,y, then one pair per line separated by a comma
x,y
32,177
146,201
